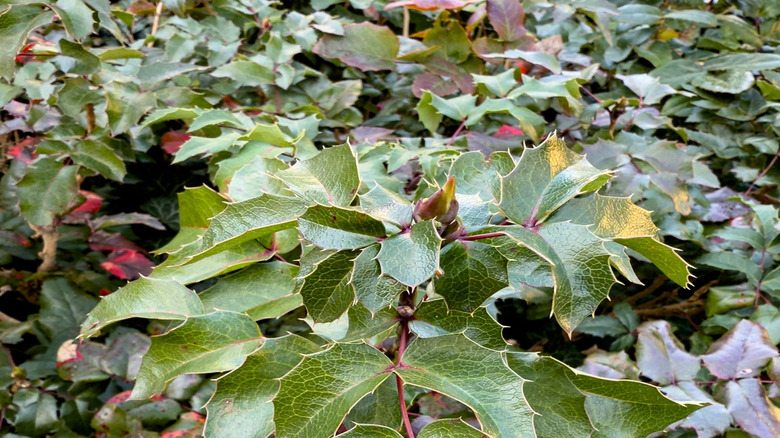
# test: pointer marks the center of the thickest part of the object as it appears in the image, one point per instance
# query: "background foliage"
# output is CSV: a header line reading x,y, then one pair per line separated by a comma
x,y
110,108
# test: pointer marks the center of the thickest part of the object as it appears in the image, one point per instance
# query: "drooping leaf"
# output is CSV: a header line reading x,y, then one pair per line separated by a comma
x,y
365,46
329,178
472,273
375,290
661,356
631,226
16,22
411,257
339,228
143,298
241,406
740,353
46,190
214,342
432,319
544,179
482,381
315,397
263,290
326,291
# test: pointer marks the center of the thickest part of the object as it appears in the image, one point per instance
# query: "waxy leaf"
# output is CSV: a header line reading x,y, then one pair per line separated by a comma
x,y
482,381
16,22
432,319
742,352
411,257
204,145
661,356
506,17
208,343
329,178
375,290
241,406
379,408
143,298
326,291
544,179
365,46
315,397
373,431
46,190
339,228
748,404
387,206
196,208
248,220
473,272
263,290
631,226
230,259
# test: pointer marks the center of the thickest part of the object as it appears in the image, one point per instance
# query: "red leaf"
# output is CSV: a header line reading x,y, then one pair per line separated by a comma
x,y
429,5
91,204
105,241
127,264
119,398
508,131
24,150
171,141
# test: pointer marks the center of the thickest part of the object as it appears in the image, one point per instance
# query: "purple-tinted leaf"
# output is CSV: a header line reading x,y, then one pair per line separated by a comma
x,y
746,400
127,219
709,421
661,356
433,83
457,74
741,352
507,18
369,134
610,365
365,46
721,209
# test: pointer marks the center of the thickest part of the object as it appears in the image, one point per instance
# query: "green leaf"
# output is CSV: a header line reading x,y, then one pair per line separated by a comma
x,y
47,190
330,177
473,272
429,116
379,408
743,61
703,18
263,290
208,343
646,87
75,16
546,60
75,95
63,307
339,228
203,145
734,262
375,290
326,291
372,431
316,396
729,81
432,319
411,257
506,17
246,73
143,298
365,46
387,206
631,226
544,179
100,158
601,326
16,22
219,117
241,406
481,380
247,220
86,63
196,208
166,114
449,429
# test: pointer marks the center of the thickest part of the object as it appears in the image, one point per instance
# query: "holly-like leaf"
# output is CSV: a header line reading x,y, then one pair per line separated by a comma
x,y
247,220
506,17
16,22
143,298
196,208
661,356
379,408
63,307
432,319
227,260
629,225
387,206
326,291
748,404
482,381
473,272
75,16
127,264
315,397
46,190
411,257
329,178
365,46
372,431
740,353
449,429
263,290
241,406
375,290
204,145
544,179
214,342
339,228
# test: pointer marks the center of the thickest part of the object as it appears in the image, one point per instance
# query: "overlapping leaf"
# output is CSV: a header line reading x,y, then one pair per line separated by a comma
x,y
411,257
329,178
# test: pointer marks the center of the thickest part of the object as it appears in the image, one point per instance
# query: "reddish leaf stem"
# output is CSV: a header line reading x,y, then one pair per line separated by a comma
x,y
483,236
399,383
763,172
457,131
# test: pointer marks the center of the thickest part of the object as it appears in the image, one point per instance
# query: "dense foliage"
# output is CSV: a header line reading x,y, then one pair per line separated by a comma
x,y
374,189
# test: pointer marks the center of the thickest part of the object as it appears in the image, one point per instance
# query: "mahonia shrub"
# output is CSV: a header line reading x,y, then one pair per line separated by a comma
x,y
395,293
